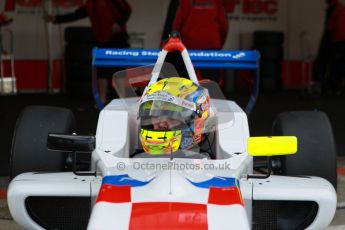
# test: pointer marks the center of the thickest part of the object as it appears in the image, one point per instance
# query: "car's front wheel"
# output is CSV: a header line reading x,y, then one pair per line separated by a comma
x,y
316,154
29,151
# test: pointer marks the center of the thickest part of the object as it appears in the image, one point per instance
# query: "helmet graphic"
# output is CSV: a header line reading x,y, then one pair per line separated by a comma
x,y
172,114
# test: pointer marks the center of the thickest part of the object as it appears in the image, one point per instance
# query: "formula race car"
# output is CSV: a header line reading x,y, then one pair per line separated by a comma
x,y
172,155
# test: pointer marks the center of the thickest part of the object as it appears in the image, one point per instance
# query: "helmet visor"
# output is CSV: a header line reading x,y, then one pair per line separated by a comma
x,y
164,109
160,142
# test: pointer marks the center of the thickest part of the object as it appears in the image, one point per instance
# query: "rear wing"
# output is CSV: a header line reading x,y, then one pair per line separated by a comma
x,y
201,59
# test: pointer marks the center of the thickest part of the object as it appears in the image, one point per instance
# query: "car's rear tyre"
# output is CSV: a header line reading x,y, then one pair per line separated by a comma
x,y
268,38
29,151
270,52
79,34
316,154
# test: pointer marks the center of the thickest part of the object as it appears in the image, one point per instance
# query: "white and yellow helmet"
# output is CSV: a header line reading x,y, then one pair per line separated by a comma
x,y
173,98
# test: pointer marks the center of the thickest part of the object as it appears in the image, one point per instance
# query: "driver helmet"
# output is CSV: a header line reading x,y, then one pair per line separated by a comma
x,y
172,114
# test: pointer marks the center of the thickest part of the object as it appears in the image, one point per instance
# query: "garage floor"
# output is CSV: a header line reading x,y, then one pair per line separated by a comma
x,y
260,121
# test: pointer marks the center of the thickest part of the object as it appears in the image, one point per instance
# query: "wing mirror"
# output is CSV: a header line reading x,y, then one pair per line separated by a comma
x,y
73,144
271,146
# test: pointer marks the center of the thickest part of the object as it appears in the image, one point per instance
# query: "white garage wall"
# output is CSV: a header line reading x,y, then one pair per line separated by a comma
x,y
301,20
306,18
294,17
148,17
241,28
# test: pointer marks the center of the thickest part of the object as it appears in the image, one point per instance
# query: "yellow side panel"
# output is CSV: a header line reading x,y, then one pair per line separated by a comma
x,y
272,146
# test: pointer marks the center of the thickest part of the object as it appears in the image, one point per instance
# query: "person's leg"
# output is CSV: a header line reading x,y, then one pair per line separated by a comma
x,y
119,40
331,71
102,87
339,68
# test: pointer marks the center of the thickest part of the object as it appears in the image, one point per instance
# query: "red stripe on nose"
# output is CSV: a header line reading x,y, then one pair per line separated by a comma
x,y
225,196
165,215
114,194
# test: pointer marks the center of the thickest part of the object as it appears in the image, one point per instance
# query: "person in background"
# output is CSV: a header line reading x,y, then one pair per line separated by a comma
x,y
173,6
4,20
108,21
322,59
202,24
336,29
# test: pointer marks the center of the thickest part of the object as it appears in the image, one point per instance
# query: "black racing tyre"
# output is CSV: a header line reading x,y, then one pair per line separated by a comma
x,y
270,68
79,34
29,151
79,89
79,53
78,71
78,80
316,154
268,38
271,52
270,83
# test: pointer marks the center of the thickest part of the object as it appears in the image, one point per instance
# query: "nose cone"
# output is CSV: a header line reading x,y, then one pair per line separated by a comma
x,y
170,185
